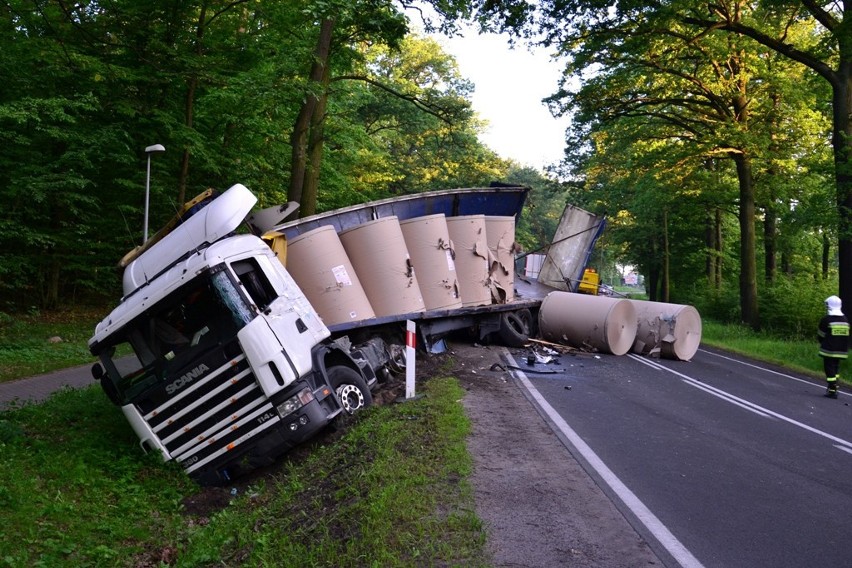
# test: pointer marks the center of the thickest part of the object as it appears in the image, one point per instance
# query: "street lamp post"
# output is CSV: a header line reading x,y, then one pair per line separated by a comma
x,y
149,150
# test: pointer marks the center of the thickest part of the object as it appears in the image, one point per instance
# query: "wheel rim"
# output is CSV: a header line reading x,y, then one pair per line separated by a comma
x,y
351,398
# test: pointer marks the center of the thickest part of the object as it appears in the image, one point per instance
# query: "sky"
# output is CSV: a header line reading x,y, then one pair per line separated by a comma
x,y
510,84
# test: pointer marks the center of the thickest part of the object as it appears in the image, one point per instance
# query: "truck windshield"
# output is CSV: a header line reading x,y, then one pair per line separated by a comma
x,y
205,314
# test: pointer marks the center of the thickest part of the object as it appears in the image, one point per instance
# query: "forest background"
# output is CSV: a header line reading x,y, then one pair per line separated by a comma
x,y
714,137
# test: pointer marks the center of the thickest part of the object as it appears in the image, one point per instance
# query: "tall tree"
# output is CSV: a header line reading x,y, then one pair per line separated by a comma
x,y
827,52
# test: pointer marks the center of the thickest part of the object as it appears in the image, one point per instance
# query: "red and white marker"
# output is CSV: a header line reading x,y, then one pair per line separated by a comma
x,y
410,345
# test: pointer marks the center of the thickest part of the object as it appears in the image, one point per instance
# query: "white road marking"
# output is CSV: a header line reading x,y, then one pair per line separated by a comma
x,y
785,375
841,448
744,403
723,397
645,516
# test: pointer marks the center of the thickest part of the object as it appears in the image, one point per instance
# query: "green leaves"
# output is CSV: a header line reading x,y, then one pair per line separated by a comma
x,y
219,84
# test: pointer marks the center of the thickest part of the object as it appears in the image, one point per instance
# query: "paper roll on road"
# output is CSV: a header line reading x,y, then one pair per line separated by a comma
x,y
580,320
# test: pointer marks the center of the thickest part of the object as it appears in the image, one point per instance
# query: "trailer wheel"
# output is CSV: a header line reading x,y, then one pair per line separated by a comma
x,y
351,389
515,328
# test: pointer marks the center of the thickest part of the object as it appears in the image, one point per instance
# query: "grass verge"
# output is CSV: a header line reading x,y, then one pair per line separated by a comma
x,y
42,342
388,489
794,354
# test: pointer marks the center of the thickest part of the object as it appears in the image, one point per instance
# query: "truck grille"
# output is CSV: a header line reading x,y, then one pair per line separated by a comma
x,y
213,415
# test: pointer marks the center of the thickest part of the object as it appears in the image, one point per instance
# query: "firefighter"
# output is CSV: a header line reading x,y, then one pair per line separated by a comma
x,y
833,333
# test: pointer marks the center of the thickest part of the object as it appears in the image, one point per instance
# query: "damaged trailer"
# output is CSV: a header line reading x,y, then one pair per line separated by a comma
x,y
223,354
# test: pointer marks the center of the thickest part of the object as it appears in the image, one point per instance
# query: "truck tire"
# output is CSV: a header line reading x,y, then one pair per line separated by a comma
x,y
515,328
351,389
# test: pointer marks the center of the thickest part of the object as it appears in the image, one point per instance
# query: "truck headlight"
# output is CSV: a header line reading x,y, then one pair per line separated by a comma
x,y
295,402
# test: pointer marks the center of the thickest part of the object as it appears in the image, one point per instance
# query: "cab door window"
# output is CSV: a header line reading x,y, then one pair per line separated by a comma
x,y
255,282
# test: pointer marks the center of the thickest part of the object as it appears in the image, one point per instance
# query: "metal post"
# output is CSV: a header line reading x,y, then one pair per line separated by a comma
x,y
149,150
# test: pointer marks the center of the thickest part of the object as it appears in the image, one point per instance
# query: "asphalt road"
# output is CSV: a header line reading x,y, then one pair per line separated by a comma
x,y
717,461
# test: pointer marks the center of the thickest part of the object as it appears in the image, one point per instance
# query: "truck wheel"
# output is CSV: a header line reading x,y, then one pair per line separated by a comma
x,y
515,328
350,387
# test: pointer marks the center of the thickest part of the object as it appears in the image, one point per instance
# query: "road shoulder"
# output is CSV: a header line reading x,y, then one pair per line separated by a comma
x,y
539,505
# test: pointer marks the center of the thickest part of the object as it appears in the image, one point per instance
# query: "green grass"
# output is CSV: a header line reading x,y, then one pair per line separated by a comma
x,y
795,354
26,348
77,490
390,490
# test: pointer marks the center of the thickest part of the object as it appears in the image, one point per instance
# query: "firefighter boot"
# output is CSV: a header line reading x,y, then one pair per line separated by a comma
x,y
831,389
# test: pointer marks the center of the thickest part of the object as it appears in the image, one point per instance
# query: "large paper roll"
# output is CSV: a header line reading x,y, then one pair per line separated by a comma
x,y
501,243
428,242
320,266
580,320
471,246
381,260
666,330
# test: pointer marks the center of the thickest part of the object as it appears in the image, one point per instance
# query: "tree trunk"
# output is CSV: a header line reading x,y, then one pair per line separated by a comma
x,y
710,246
770,241
719,248
713,242
189,105
310,189
770,209
184,162
748,262
842,142
664,292
301,130
826,251
652,282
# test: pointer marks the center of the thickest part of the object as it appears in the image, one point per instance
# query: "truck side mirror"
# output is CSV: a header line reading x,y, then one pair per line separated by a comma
x,y
98,371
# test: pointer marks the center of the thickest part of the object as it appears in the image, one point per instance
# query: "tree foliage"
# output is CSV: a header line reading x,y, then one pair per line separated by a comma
x,y
687,113
221,84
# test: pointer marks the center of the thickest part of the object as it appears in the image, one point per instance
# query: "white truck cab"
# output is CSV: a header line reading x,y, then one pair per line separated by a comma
x,y
215,356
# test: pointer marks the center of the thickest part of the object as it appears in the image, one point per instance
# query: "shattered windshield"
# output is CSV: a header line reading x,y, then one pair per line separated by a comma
x,y
203,315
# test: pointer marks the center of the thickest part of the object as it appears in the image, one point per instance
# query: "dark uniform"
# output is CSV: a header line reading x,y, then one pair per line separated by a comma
x,y
833,333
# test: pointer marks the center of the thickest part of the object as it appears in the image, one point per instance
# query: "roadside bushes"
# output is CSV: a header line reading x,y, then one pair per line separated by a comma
x,y
790,307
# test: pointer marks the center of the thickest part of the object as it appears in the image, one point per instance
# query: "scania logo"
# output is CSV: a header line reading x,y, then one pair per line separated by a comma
x,y
187,378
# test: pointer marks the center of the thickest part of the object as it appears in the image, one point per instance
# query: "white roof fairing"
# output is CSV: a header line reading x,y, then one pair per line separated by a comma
x,y
216,220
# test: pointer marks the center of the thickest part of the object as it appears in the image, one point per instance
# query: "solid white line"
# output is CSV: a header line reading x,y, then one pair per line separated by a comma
x,y
645,516
643,361
736,400
723,397
706,388
841,448
785,375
